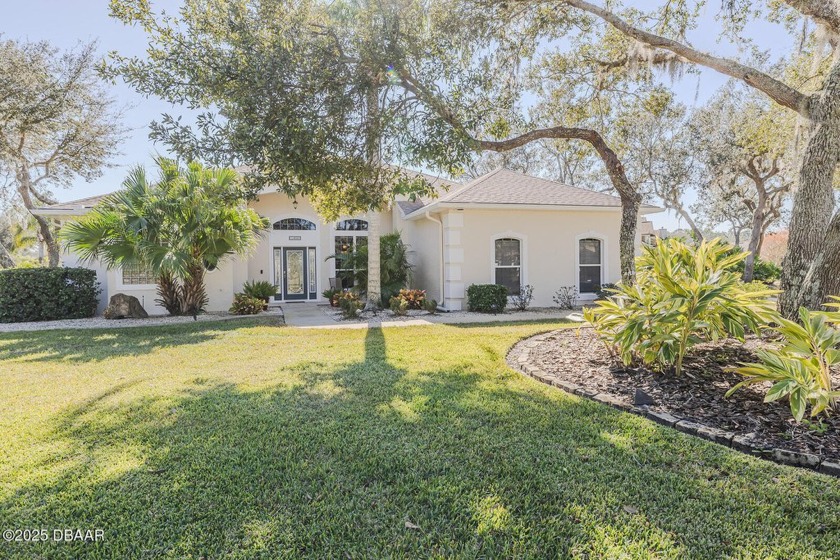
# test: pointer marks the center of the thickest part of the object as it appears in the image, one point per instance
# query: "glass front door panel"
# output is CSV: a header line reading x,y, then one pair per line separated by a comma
x,y
313,284
278,270
295,281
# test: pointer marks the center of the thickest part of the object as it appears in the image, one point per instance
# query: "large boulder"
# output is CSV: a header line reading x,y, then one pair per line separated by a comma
x,y
122,306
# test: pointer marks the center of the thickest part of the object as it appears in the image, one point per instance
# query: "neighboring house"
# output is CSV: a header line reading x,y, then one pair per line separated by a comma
x,y
504,227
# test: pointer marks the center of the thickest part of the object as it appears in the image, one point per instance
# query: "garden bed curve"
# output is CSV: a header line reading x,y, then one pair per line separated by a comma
x,y
575,361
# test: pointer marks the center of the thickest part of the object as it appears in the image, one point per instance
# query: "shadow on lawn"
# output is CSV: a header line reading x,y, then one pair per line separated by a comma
x,y
100,344
335,467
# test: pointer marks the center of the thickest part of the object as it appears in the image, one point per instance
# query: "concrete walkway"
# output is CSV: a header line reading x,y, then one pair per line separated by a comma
x,y
313,316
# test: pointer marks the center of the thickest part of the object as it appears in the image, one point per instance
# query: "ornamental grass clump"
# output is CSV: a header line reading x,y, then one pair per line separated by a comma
x,y
801,368
683,295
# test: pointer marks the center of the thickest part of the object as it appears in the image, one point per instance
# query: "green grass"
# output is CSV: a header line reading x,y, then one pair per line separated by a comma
x,y
244,440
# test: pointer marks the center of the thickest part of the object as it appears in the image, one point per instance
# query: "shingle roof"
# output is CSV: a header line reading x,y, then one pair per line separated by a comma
x,y
408,206
504,186
440,185
80,204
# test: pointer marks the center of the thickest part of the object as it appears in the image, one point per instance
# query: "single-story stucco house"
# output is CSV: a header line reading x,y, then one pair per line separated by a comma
x,y
503,227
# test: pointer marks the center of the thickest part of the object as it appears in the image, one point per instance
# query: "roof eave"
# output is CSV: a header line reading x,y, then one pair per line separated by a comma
x,y
43,211
444,204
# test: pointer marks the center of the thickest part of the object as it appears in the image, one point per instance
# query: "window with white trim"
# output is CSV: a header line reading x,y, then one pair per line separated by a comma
x,y
294,224
135,274
590,265
507,264
346,246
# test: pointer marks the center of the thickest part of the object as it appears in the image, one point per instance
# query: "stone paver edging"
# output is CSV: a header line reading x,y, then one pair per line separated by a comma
x,y
519,357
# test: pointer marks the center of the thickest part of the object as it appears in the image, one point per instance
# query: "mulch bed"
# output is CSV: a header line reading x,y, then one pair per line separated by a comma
x,y
578,357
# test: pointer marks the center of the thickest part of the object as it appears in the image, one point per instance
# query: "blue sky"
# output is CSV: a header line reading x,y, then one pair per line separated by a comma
x,y
66,22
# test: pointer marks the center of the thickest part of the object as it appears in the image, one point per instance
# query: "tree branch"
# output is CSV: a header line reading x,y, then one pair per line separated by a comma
x,y
779,92
826,12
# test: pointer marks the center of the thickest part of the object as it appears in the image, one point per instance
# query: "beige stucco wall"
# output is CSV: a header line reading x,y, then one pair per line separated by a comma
x,y
423,239
550,241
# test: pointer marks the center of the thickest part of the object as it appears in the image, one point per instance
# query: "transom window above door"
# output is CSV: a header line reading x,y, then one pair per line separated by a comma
x,y
590,265
508,264
294,224
352,225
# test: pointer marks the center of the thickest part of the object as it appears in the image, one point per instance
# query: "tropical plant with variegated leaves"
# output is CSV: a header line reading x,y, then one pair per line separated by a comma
x,y
684,295
801,369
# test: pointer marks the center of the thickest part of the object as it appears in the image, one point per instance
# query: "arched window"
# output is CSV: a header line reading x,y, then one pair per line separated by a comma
x,y
352,225
296,224
508,264
590,265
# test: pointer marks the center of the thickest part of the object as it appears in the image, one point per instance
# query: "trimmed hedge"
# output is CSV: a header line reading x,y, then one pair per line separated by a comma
x,y
487,298
45,294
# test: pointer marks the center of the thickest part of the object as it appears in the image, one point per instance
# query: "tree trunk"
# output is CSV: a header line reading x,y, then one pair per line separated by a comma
x,y
6,259
627,236
698,235
829,269
373,150
374,281
755,232
813,205
168,290
823,279
24,181
193,295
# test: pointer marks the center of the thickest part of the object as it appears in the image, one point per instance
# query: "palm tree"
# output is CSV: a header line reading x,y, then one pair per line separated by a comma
x,y
179,227
16,237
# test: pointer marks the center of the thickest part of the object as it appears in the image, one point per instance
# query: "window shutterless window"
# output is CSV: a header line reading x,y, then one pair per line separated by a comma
x,y
134,274
589,265
508,264
345,246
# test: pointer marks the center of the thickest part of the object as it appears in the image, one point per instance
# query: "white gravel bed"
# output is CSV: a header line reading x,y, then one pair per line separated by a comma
x,y
103,323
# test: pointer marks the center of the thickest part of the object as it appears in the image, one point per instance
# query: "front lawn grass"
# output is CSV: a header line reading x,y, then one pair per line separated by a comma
x,y
223,440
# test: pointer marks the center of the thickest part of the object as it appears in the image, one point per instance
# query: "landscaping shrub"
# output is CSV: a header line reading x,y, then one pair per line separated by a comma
x,y
566,297
350,304
683,295
243,304
414,298
766,271
45,294
487,298
763,271
605,291
801,369
329,295
754,286
260,289
522,300
399,306
431,306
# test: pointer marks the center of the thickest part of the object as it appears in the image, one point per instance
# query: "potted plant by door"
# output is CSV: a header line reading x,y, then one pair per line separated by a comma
x,y
260,289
